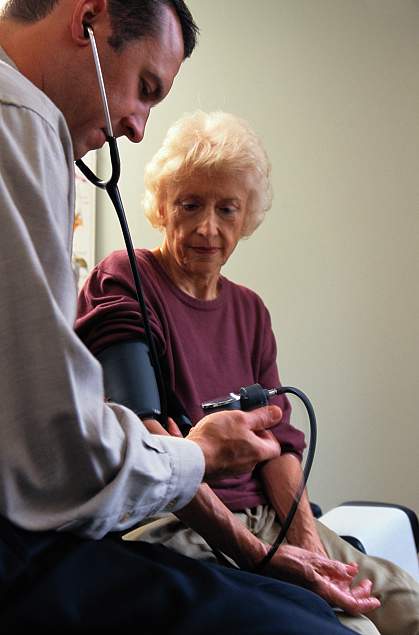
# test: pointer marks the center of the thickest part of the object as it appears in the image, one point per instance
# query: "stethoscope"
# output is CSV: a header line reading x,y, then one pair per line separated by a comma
x,y
111,187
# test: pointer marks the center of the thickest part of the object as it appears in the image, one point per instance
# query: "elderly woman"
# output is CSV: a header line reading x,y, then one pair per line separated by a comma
x,y
206,188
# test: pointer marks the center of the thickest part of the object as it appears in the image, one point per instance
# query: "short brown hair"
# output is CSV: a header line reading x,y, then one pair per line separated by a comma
x,y
130,19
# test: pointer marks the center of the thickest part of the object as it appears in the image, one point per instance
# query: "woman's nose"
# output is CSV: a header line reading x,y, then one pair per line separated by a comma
x,y
208,225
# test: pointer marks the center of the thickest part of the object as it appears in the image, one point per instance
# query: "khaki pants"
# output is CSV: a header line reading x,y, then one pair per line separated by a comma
x,y
397,590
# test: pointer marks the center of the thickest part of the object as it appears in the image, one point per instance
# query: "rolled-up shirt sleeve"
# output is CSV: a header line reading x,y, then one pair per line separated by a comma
x,y
157,474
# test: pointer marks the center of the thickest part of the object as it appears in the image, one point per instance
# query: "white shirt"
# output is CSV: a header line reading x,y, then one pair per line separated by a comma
x,y
68,460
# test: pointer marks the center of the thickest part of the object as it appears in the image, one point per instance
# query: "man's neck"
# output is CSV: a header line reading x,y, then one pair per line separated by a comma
x,y
19,41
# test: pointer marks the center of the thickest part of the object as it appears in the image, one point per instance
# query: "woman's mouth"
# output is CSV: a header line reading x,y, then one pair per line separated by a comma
x,y
205,250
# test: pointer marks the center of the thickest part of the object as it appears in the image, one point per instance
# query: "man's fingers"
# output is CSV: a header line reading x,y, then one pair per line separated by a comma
x,y
264,418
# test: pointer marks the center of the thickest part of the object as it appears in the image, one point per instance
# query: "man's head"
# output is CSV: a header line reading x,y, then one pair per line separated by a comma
x,y
141,46
130,19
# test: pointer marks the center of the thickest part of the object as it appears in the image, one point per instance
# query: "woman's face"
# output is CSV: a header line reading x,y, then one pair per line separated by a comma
x,y
204,216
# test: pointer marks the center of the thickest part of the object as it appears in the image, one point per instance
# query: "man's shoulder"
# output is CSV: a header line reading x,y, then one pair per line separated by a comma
x,y
18,92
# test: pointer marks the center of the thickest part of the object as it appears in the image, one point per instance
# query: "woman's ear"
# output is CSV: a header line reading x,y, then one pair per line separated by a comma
x,y
162,216
162,209
87,13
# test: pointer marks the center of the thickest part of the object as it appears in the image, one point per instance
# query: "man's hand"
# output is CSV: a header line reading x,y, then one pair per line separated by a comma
x,y
332,580
234,442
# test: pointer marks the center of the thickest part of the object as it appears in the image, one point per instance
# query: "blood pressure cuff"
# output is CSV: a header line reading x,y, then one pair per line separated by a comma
x,y
130,380
129,377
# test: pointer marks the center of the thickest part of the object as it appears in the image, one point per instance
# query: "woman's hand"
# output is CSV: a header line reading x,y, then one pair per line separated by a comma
x,y
155,427
331,579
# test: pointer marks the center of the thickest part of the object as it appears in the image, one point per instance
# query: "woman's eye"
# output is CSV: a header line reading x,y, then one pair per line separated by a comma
x,y
228,211
189,207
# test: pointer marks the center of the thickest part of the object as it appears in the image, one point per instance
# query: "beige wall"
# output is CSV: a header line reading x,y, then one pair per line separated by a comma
x,y
332,87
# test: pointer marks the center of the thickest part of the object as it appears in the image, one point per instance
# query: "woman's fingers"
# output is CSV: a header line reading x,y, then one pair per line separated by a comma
x,y
362,590
336,569
172,428
353,599
154,426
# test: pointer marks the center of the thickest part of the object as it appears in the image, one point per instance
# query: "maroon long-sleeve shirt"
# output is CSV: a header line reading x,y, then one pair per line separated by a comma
x,y
210,348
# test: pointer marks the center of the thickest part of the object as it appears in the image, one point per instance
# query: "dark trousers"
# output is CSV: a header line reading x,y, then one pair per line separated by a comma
x,y
61,581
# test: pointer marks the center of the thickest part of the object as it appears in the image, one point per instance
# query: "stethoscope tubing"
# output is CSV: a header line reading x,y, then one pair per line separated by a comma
x,y
111,187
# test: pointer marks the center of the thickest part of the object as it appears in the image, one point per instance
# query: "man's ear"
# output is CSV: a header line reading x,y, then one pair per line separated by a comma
x,y
87,13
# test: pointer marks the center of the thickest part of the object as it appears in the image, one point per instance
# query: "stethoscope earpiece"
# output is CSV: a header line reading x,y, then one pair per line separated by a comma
x,y
86,28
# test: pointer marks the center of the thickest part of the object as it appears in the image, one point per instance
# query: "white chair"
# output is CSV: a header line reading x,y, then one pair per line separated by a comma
x,y
379,529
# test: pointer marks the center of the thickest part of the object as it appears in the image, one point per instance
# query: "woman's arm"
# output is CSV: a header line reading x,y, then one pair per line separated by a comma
x,y
222,530
282,478
207,515
330,579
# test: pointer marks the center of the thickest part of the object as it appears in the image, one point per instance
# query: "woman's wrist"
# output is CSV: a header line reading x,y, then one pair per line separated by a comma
x,y
251,557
